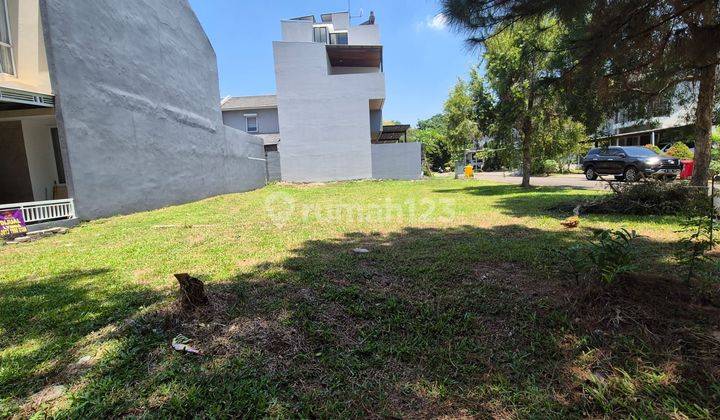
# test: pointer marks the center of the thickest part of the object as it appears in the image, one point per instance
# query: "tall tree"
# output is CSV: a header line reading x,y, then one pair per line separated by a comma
x,y
516,67
614,51
462,128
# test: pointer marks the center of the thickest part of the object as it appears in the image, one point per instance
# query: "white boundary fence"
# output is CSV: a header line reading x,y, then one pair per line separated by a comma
x,y
44,211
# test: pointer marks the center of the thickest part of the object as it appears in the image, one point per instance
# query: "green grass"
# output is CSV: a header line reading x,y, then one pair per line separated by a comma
x,y
455,311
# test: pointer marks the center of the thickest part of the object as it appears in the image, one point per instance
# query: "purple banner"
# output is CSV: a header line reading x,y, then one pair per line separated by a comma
x,y
12,224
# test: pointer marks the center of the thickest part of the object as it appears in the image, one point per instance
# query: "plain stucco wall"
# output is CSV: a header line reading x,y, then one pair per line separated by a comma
x,y
364,35
40,158
397,161
297,30
324,119
273,165
138,107
267,119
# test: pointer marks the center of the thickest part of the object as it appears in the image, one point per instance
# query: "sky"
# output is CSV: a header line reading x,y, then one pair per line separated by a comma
x,y
423,58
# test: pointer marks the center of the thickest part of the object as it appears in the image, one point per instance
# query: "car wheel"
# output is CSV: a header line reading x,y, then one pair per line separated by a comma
x,y
590,174
632,174
671,178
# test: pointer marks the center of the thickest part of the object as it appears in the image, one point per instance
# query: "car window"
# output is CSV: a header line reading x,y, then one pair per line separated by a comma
x,y
640,151
594,152
610,151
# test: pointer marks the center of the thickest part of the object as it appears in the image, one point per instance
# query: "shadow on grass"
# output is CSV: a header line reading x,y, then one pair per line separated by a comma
x,y
430,322
42,318
521,202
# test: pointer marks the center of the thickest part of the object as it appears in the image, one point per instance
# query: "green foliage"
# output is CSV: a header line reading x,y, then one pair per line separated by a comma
x,y
550,166
606,256
692,250
529,110
460,119
680,150
654,148
653,197
435,146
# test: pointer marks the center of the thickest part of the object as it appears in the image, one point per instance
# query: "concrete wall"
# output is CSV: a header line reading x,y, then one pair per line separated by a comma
x,y
396,161
297,30
40,157
273,166
138,107
267,119
324,119
364,35
31,65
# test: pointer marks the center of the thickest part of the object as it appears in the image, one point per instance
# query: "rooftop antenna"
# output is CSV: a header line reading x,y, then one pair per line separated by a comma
x,y
351,15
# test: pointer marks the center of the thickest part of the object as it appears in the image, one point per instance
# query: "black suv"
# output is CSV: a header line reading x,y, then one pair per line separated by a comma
x,y
629,163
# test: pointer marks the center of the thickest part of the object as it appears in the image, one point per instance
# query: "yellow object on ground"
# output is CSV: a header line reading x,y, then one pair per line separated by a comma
x,y
469,172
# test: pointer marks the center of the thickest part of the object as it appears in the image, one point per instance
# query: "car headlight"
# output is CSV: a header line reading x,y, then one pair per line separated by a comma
x,y
653,161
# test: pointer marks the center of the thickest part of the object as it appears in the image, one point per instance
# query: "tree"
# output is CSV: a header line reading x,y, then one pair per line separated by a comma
x,y
483,102
516,66
435,148
460,119
611,52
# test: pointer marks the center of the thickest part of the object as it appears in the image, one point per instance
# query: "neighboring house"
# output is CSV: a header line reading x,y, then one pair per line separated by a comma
x,y
329,101
257,115
111,107
669,121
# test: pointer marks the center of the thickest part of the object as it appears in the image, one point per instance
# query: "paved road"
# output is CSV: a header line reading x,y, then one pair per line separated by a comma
x,y
569,181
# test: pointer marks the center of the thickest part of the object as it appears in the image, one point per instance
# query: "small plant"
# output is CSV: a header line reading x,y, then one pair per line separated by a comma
x,y
692,250
609,254
680,151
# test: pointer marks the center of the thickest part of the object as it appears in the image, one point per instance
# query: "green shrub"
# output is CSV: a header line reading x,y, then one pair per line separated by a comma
x,y
680,150
653,197
608,255
550,166
653,148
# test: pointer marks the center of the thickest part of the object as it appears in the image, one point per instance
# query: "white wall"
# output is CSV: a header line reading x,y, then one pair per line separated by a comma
x,y
40,157
324,119
364,35
267,119
397,161
297,30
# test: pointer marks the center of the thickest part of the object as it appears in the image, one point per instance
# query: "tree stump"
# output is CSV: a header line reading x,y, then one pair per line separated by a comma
x,y
192,291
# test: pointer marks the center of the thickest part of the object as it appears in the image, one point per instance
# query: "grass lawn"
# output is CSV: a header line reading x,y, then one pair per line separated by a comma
x,y
455,311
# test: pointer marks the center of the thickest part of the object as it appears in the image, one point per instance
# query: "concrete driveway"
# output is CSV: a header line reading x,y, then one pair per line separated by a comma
x,y
567,181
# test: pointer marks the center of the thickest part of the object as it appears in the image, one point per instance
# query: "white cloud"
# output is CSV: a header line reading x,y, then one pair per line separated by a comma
x,y
437,22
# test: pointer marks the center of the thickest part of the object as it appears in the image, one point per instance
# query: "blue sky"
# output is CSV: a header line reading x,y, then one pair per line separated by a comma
x,y
423,59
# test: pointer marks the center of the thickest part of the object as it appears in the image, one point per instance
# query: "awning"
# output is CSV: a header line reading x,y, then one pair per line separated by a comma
x,y
640,132
355,55
393,133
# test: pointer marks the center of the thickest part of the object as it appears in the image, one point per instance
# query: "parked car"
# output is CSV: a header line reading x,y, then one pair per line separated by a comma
x,y
629,163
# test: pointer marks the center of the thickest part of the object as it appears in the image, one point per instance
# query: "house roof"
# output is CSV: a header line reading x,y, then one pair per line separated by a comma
x,y
236,103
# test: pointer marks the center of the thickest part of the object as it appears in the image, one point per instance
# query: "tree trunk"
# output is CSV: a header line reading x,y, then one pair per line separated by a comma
x,y
703,125
526,155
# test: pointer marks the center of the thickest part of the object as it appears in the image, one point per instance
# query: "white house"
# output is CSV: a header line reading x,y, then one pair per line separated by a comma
x,y
328,107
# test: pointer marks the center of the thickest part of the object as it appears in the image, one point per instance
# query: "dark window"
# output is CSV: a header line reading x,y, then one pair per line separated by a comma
x,y
58,155
320,34
339,38
594,152
271,148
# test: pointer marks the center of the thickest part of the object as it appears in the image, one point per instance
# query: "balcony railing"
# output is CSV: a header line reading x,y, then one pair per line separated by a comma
x,y
44,211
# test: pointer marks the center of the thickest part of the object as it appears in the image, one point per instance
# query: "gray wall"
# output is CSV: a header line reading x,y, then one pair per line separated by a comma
x,y
273,165
138,107
396,161
267,119
376,120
